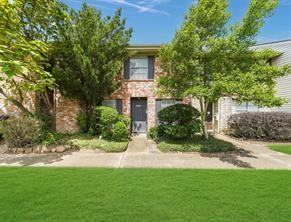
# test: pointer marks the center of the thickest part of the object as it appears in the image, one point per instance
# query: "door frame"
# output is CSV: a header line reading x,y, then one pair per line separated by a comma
x,y
131,113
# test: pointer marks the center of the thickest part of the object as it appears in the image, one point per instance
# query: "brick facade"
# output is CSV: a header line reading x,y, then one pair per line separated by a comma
x,y
66,112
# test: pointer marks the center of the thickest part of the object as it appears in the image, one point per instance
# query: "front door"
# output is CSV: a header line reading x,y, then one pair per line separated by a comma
x,y
138,115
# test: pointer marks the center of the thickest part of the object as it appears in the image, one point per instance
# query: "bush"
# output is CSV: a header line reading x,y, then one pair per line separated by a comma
x,y
125,119
179,121
120,132
82,122
21,131
153,133
261,125
3,118
111,125
106,117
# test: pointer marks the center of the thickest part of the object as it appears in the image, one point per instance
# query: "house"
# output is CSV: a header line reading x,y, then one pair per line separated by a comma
x,y
138,98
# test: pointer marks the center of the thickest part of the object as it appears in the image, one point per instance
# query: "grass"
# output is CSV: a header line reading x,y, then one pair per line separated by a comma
x,y
197,144
283,148
60,194
90,142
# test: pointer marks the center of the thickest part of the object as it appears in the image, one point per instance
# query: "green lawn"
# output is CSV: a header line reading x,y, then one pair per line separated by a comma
x,y
60,194
196,144
283,148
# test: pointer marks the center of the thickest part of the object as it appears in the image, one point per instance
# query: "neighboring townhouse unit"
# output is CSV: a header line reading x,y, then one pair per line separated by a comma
x,y
138,96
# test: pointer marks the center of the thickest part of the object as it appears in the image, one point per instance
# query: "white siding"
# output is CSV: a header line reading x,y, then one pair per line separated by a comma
x,y
283,87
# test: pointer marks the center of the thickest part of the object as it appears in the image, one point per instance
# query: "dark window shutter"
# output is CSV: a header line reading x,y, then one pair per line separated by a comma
x,y
126,69
151,71
119,105
158,108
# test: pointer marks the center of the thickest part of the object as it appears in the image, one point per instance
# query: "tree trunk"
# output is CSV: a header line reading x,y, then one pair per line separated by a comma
x,y
203,110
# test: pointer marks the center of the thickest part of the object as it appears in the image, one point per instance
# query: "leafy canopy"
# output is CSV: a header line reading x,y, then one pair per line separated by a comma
x,y
26,28
90,54
208,60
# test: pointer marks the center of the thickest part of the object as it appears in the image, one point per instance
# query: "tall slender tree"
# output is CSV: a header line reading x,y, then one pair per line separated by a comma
x,y
90,55
207,59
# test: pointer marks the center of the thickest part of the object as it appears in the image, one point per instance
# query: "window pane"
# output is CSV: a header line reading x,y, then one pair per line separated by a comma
x,y
139,68
240,108
110,103
252,107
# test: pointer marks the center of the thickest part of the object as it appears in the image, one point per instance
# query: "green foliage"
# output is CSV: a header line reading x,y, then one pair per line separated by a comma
x,y
125,119
195,144
21,131
120,132
179,121
82,122
52,137
208,60
154,133
26,27
89,56
111,125
261,125
91,142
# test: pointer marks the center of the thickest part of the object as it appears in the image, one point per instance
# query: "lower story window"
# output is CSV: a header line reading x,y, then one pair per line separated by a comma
x,y
114,103
110,103
245,107
164,103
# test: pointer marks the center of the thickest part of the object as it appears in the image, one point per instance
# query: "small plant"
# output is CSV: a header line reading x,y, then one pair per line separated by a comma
x,y
120,132
21,131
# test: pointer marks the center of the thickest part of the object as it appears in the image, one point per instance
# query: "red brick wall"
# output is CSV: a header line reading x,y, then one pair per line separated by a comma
x,y
66,113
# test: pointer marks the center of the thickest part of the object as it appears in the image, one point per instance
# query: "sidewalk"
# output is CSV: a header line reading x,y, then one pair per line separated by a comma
x,y
142,153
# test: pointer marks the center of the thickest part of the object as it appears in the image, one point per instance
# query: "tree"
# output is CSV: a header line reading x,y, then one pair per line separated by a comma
x,y
27,28
207,60
90,55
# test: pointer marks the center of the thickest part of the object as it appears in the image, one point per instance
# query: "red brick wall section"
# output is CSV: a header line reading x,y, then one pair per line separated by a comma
x,y
66,113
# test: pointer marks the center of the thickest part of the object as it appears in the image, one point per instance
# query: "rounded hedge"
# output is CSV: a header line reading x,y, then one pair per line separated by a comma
x,y
261,125
120,131
179,121
179,114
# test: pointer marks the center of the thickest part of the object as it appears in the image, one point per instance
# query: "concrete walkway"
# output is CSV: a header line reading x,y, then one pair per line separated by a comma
x,y
142,153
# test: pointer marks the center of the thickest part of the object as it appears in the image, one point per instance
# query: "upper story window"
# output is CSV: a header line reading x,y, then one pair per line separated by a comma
x,y
139,68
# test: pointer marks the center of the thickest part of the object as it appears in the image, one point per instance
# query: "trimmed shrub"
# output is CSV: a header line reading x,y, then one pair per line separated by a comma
x,y
153,133
179,121
106,117
261,125
182,114
110,125
175,131
125,119
21,131
120,132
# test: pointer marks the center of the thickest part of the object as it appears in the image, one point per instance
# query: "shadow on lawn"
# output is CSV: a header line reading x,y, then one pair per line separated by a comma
x,y
232,157
31,159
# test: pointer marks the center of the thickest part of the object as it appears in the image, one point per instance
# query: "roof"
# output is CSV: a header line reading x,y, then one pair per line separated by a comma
x,y
145,48
274,42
